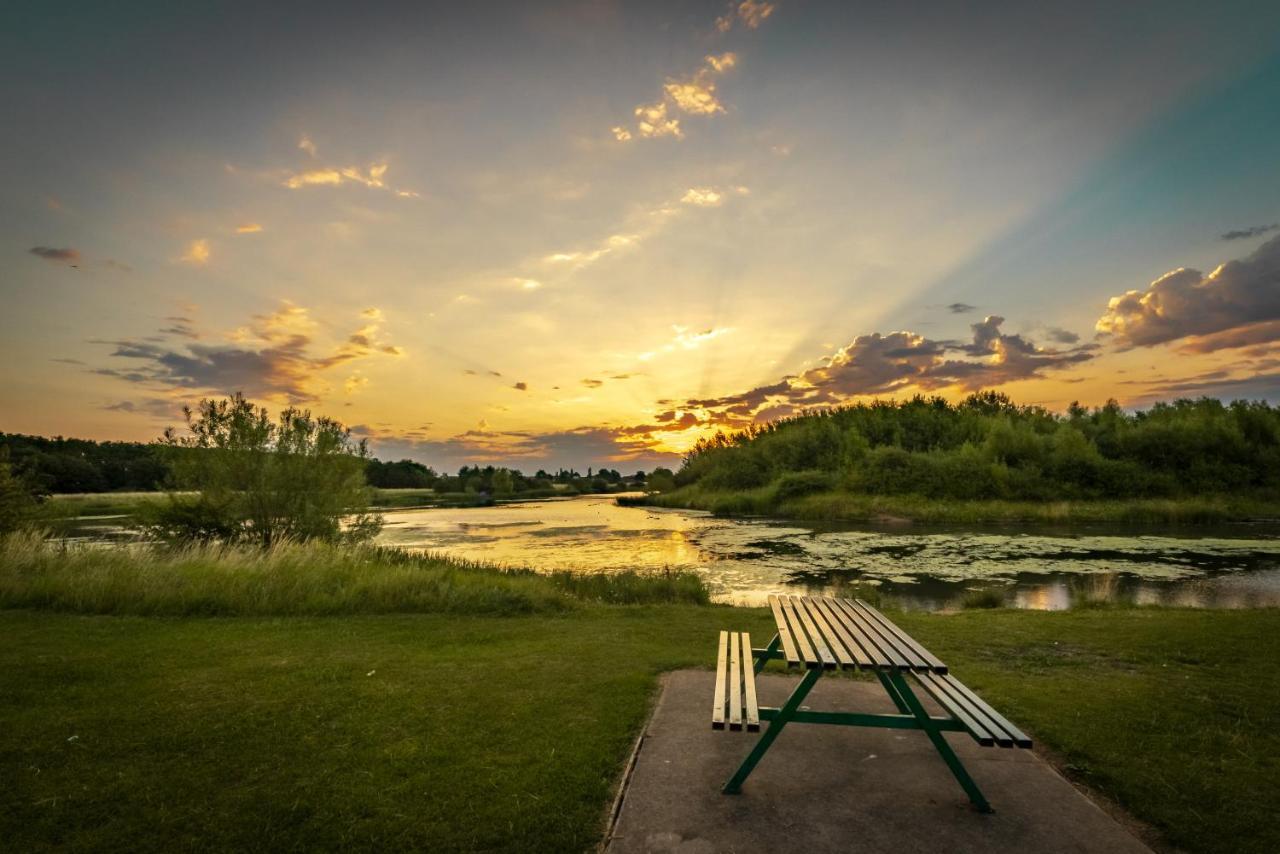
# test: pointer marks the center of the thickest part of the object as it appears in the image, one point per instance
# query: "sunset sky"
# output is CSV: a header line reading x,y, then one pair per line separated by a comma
x,y
589,233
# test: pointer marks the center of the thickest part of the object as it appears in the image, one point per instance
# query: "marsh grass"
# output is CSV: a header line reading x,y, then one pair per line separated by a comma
x,y
300,579
987,597
839,505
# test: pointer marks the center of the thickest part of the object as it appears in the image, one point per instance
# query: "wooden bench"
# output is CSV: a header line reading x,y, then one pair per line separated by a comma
x,y
820,634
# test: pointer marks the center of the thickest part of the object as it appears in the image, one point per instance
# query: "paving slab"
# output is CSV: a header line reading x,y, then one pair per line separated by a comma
x,y
834,788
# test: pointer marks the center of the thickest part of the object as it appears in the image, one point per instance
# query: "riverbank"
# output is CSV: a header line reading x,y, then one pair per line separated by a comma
x,y
502,733
839,506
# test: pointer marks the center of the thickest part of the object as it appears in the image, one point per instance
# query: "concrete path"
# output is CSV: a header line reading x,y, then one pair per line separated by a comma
x,y
828,788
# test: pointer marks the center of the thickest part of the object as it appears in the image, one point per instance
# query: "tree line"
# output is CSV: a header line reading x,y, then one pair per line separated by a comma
x,y
59,465
987,446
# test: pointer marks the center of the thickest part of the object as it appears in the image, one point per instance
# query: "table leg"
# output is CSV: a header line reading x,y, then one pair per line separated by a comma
x,y
734,786
903,708
762,660
939,742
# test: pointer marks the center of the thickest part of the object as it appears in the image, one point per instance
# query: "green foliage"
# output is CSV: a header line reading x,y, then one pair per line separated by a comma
x,y
17,497
61,465
795,484
988,448
298,578
258,480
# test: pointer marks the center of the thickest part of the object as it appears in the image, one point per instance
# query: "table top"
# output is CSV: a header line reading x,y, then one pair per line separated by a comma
x,y
819,631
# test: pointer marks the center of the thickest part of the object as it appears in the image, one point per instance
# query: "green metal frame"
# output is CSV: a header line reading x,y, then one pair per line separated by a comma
x,y
911,715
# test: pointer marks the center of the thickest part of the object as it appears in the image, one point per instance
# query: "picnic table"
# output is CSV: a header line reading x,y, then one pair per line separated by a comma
x,y
822,634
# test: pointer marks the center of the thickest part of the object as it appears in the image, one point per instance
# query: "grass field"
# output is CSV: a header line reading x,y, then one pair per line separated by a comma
x,y
363,700
848,507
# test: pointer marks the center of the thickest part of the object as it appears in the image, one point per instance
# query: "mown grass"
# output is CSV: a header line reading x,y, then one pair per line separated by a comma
x,y
300,578
468,733
844,506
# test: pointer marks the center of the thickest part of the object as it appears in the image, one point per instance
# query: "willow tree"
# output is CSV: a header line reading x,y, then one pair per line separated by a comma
x,y
238,475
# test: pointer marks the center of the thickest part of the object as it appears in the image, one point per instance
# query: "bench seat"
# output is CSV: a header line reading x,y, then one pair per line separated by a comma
x,y
985,724
735,697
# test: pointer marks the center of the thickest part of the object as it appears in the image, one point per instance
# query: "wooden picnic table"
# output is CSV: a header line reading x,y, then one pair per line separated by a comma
x,y
821,634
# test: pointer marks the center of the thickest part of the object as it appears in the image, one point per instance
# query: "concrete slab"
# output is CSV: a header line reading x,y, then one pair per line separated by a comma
x,y
830,788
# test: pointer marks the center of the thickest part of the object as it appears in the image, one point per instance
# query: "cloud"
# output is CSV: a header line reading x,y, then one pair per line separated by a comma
x,y
889,363
749,13
590,383
695,95
248,228
702,197
521,386
197,252
1252,231
646,224
1214,311
1061,336
49,253
652,121
685,340
307,145
272,356
523,449
157,407
373,176
961,308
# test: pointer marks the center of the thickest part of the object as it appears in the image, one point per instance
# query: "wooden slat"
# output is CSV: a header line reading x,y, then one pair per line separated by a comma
x,y
896,658
784,633
873,652
976,726
752,709
1020,738
896,638
722,666
859,654
810,604
797,634
819,642
929,659
735,681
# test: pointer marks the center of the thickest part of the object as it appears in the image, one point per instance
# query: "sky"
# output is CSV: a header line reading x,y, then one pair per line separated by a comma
x,y
589,233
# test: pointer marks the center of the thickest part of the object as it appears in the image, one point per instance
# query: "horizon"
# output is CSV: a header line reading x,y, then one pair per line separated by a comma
x,y
588,234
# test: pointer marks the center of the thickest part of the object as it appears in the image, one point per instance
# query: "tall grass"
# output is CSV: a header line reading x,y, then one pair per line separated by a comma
x,y
299,578
839,505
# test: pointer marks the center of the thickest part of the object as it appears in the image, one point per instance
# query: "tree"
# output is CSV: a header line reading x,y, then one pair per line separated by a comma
x,y
17,498
262,481
661,480
502,482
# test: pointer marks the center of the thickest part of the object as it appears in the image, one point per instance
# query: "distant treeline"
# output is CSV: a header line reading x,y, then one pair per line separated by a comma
x,y
988,447
61,465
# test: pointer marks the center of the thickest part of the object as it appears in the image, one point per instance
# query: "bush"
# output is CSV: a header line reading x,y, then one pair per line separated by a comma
x,y
255,480
801,483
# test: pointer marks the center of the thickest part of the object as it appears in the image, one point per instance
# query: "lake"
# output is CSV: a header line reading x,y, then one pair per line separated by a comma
x,y
744,560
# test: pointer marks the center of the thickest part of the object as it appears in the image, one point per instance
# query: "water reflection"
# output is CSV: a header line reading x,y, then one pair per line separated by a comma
x,y
745,560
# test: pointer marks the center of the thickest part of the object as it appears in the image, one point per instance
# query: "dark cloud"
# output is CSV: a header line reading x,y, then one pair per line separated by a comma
x,y
878,364
961,308
274,357
1061,336
525,450
593,383
1252,231
159,407
48,253
521,386
1215,311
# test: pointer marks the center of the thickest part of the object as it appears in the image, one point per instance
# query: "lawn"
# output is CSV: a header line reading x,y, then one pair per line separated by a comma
x,y
449,732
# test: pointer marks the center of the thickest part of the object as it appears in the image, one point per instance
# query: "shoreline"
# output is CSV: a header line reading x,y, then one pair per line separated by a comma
x,y
908,510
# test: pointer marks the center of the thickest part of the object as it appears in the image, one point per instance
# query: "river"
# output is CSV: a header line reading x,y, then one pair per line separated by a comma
x,y
744,560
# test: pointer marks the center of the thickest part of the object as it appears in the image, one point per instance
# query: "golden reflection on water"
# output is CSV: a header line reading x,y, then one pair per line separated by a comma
x,y
743,561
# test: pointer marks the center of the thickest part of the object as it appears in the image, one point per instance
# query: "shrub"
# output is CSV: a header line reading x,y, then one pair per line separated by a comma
x,y
800,483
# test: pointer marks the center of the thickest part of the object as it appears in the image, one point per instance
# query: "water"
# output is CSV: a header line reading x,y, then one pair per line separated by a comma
x,y
743,561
